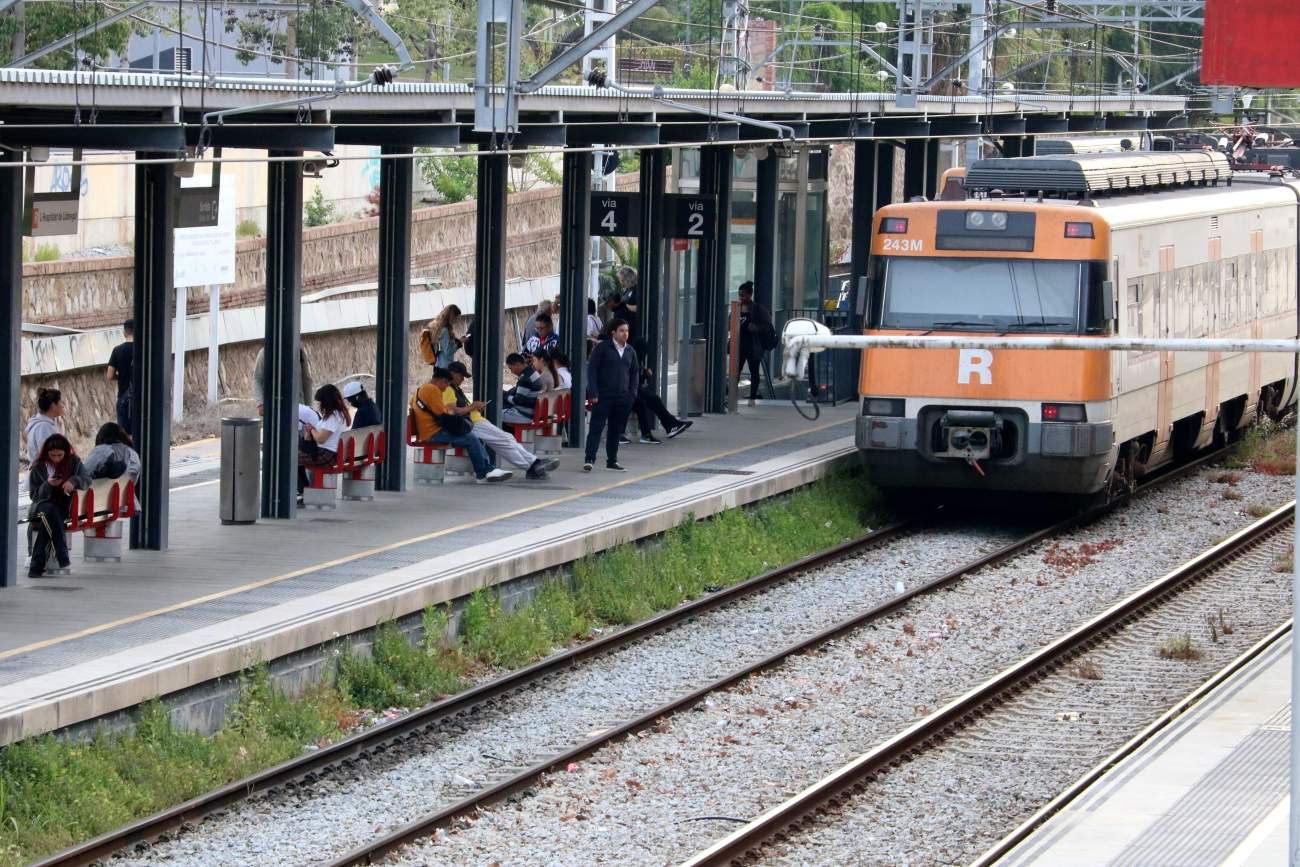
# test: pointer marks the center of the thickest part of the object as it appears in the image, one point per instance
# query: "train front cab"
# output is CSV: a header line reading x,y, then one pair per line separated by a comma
x,y
1021,420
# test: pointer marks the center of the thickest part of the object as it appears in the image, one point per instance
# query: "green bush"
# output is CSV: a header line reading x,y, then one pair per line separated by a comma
x,y
316,211
47,253
248,229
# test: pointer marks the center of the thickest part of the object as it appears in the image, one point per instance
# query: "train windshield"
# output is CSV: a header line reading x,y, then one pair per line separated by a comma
x,y
980,294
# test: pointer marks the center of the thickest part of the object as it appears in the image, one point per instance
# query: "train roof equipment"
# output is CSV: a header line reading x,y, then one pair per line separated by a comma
x,y
1090,174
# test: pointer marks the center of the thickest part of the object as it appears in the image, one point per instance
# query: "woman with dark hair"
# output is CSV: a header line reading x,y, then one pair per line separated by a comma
x,y
563,376
320,442
544,364
55,473
112,457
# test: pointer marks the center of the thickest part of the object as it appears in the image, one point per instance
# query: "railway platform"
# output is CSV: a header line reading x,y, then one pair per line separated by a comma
x,y
1210,790
79,647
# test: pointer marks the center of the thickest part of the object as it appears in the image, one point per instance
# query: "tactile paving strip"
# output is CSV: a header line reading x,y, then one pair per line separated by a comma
x,y
1205,825
171,624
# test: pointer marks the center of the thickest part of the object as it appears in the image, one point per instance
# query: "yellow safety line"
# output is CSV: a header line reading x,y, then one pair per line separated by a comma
x,y
394,545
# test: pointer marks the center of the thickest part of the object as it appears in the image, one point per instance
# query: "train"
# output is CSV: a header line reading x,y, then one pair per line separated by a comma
x,y
1132,244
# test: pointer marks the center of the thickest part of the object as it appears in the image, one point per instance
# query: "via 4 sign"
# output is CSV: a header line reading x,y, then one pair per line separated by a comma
x,y
616,214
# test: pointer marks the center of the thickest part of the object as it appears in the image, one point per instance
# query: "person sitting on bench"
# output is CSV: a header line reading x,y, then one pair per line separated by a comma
x,y
501,443
55,473
437,423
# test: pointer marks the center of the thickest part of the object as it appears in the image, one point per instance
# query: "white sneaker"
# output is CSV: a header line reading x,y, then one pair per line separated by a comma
x,y
753,402
496,476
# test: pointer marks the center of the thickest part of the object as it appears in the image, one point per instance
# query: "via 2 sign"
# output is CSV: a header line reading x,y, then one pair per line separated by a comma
x,y
689,217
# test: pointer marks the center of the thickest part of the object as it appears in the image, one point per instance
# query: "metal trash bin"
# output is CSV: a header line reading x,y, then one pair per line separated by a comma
x,y
699,373
240,470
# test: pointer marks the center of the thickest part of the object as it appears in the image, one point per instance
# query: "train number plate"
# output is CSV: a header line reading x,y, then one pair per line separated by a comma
x,y
902,245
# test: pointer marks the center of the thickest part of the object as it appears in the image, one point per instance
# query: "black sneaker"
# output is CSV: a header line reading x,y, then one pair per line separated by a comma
x,y
648,440
537,470
679,428
549,464
586,468
624,441
616,467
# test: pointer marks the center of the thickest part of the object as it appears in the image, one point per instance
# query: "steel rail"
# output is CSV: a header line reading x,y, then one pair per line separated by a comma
x,y
456,705
1004,846
938,726
362,743
380,848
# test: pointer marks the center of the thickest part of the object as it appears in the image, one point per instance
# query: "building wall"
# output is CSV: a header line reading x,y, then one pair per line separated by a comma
x,y
97,292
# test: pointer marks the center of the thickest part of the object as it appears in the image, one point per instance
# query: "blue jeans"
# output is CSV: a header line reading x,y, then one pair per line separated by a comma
x,y
472,446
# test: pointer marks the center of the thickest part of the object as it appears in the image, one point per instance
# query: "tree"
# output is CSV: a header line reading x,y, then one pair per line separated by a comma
x,y
453,178
43,23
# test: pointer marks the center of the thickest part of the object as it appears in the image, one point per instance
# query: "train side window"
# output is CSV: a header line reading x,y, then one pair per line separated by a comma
x,y
1135,308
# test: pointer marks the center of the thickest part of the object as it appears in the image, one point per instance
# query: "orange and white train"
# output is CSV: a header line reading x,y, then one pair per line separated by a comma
x,y
1159,244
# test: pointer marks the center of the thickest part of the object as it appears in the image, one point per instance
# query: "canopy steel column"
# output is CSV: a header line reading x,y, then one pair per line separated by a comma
x,y
931,168
714,291
765,201
392,371
914,168
282,367
11,333
155,203
575,248
885,174
490,281
866,170
652,323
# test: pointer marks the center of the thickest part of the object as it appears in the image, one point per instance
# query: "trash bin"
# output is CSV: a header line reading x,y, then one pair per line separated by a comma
x,y
699,374
240,470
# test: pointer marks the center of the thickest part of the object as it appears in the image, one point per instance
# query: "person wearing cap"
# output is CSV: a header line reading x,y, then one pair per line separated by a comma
x,y
505,446
367,411
436,422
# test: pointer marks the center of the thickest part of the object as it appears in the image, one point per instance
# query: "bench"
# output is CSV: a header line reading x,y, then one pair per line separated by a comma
x,y
360,450
430,458
97,513
544,433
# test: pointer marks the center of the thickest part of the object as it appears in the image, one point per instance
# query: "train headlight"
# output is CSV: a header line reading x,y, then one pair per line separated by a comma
x,y
986,221
883,406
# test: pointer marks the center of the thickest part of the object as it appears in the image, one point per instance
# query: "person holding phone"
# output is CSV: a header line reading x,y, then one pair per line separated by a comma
x,y
55,473
505,446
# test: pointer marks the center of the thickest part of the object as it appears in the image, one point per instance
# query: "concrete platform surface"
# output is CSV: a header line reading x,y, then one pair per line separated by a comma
x,y
1209,790
222,597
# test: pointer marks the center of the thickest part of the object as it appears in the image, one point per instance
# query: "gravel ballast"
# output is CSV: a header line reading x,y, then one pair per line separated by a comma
x,y
661,797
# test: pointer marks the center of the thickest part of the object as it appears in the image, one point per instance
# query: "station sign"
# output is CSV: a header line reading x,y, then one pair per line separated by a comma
x,y
689,217
53,214
198,207
615,214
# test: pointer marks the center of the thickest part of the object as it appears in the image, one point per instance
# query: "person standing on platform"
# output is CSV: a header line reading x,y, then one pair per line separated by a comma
x,y
120,363
613,373
754,330
530,326
627,281
594,325
55,473
438,340
45,424
367,411
259,378
544,337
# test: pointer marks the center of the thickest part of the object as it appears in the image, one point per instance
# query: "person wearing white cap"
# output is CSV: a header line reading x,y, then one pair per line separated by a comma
x,y
367,411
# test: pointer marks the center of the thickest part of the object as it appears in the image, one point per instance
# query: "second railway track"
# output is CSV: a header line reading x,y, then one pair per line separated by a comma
x,y
310,778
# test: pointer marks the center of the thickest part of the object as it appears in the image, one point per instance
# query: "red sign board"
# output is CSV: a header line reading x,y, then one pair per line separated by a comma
x,y
1251,43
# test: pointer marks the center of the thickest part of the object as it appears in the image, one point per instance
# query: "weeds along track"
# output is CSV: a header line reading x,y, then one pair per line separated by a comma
x,y
492,741
948,787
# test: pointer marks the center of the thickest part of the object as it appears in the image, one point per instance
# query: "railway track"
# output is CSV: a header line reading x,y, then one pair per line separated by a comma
x,y
409,727
791,819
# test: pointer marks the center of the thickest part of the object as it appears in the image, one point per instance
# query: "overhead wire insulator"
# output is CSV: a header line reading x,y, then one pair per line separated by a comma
x,y
596,78
383,75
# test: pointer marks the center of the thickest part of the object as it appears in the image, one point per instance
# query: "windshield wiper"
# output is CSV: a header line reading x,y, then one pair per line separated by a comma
x,y
961,323
1019,326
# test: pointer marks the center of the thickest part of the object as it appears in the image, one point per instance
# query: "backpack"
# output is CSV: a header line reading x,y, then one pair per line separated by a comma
x,y
468,344
767,338
428,351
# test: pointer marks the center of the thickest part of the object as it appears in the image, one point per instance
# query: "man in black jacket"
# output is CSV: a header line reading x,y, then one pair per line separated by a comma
x,y
613,374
